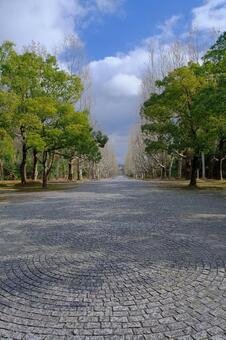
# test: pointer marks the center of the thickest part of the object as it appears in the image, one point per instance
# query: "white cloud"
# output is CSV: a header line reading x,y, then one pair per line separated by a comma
x,y
211,15
48,21
130,64
117,85
123,85
167,28
109,6
39,20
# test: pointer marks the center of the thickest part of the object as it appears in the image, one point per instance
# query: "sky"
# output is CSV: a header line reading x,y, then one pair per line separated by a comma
x,y
115,35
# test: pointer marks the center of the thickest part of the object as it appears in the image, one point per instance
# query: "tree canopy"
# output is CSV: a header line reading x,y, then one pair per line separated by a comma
x,y
38,111
188,112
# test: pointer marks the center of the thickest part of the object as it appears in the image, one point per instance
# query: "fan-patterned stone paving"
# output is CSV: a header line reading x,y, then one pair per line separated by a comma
x,y
119,259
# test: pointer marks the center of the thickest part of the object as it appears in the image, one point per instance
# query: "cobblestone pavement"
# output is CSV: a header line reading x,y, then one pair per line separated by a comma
x,y
117,259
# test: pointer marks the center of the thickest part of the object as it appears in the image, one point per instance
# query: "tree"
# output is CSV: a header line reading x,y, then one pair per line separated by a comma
x,y
38,109
215,56
8,105
21,75
213,98
63,131
108,166
72,52
35,80
138,163
176,117
81,142
163,59
100,140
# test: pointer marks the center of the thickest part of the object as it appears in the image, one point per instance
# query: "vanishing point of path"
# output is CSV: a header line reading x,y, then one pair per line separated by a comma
x,y
117,259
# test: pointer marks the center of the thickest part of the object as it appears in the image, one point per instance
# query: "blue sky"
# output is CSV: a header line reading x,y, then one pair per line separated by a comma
x,y
116,35
136,21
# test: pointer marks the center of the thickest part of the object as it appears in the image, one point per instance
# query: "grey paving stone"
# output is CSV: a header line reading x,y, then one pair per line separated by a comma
x,y
115,259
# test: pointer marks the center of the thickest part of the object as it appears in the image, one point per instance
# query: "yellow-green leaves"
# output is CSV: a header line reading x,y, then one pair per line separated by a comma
x,y
189,112
37,107
174,114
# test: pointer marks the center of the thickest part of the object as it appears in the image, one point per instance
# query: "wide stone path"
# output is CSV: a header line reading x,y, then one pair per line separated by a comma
x,y
117,259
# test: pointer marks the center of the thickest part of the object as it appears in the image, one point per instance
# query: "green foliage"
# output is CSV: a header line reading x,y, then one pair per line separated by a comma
x,y
7,150
37,110
79,137
217,53
175,119
8,105
189,113
100,138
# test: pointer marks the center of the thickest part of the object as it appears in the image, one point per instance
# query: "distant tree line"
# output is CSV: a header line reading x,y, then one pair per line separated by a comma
x,y
183,121
42,134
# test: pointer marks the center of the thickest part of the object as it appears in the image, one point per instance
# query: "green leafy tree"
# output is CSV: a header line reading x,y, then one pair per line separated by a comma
x,y
63,132
215,56
79,139
176,119
213,98
8,105
21,75
100,138
35,78
37,109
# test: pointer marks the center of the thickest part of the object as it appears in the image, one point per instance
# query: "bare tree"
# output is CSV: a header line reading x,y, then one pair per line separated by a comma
x,y
108,165
73,57
137,163
37,48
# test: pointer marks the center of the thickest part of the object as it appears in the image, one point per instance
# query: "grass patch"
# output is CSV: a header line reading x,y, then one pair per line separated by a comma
x,y
184,184
211,183
31,186
3,199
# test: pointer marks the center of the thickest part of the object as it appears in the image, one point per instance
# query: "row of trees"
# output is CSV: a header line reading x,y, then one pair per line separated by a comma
x,y
39,119
108,165
184,119
138,163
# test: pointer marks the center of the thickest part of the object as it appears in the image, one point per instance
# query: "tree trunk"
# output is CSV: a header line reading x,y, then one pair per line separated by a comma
x,y
170,167
221,168
70,170
46,168
44,181
93,170
23,174
203,166
44,172
98,173
34,167
1,170
163,172
57,170
78,170
194,166
180,163
188,168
